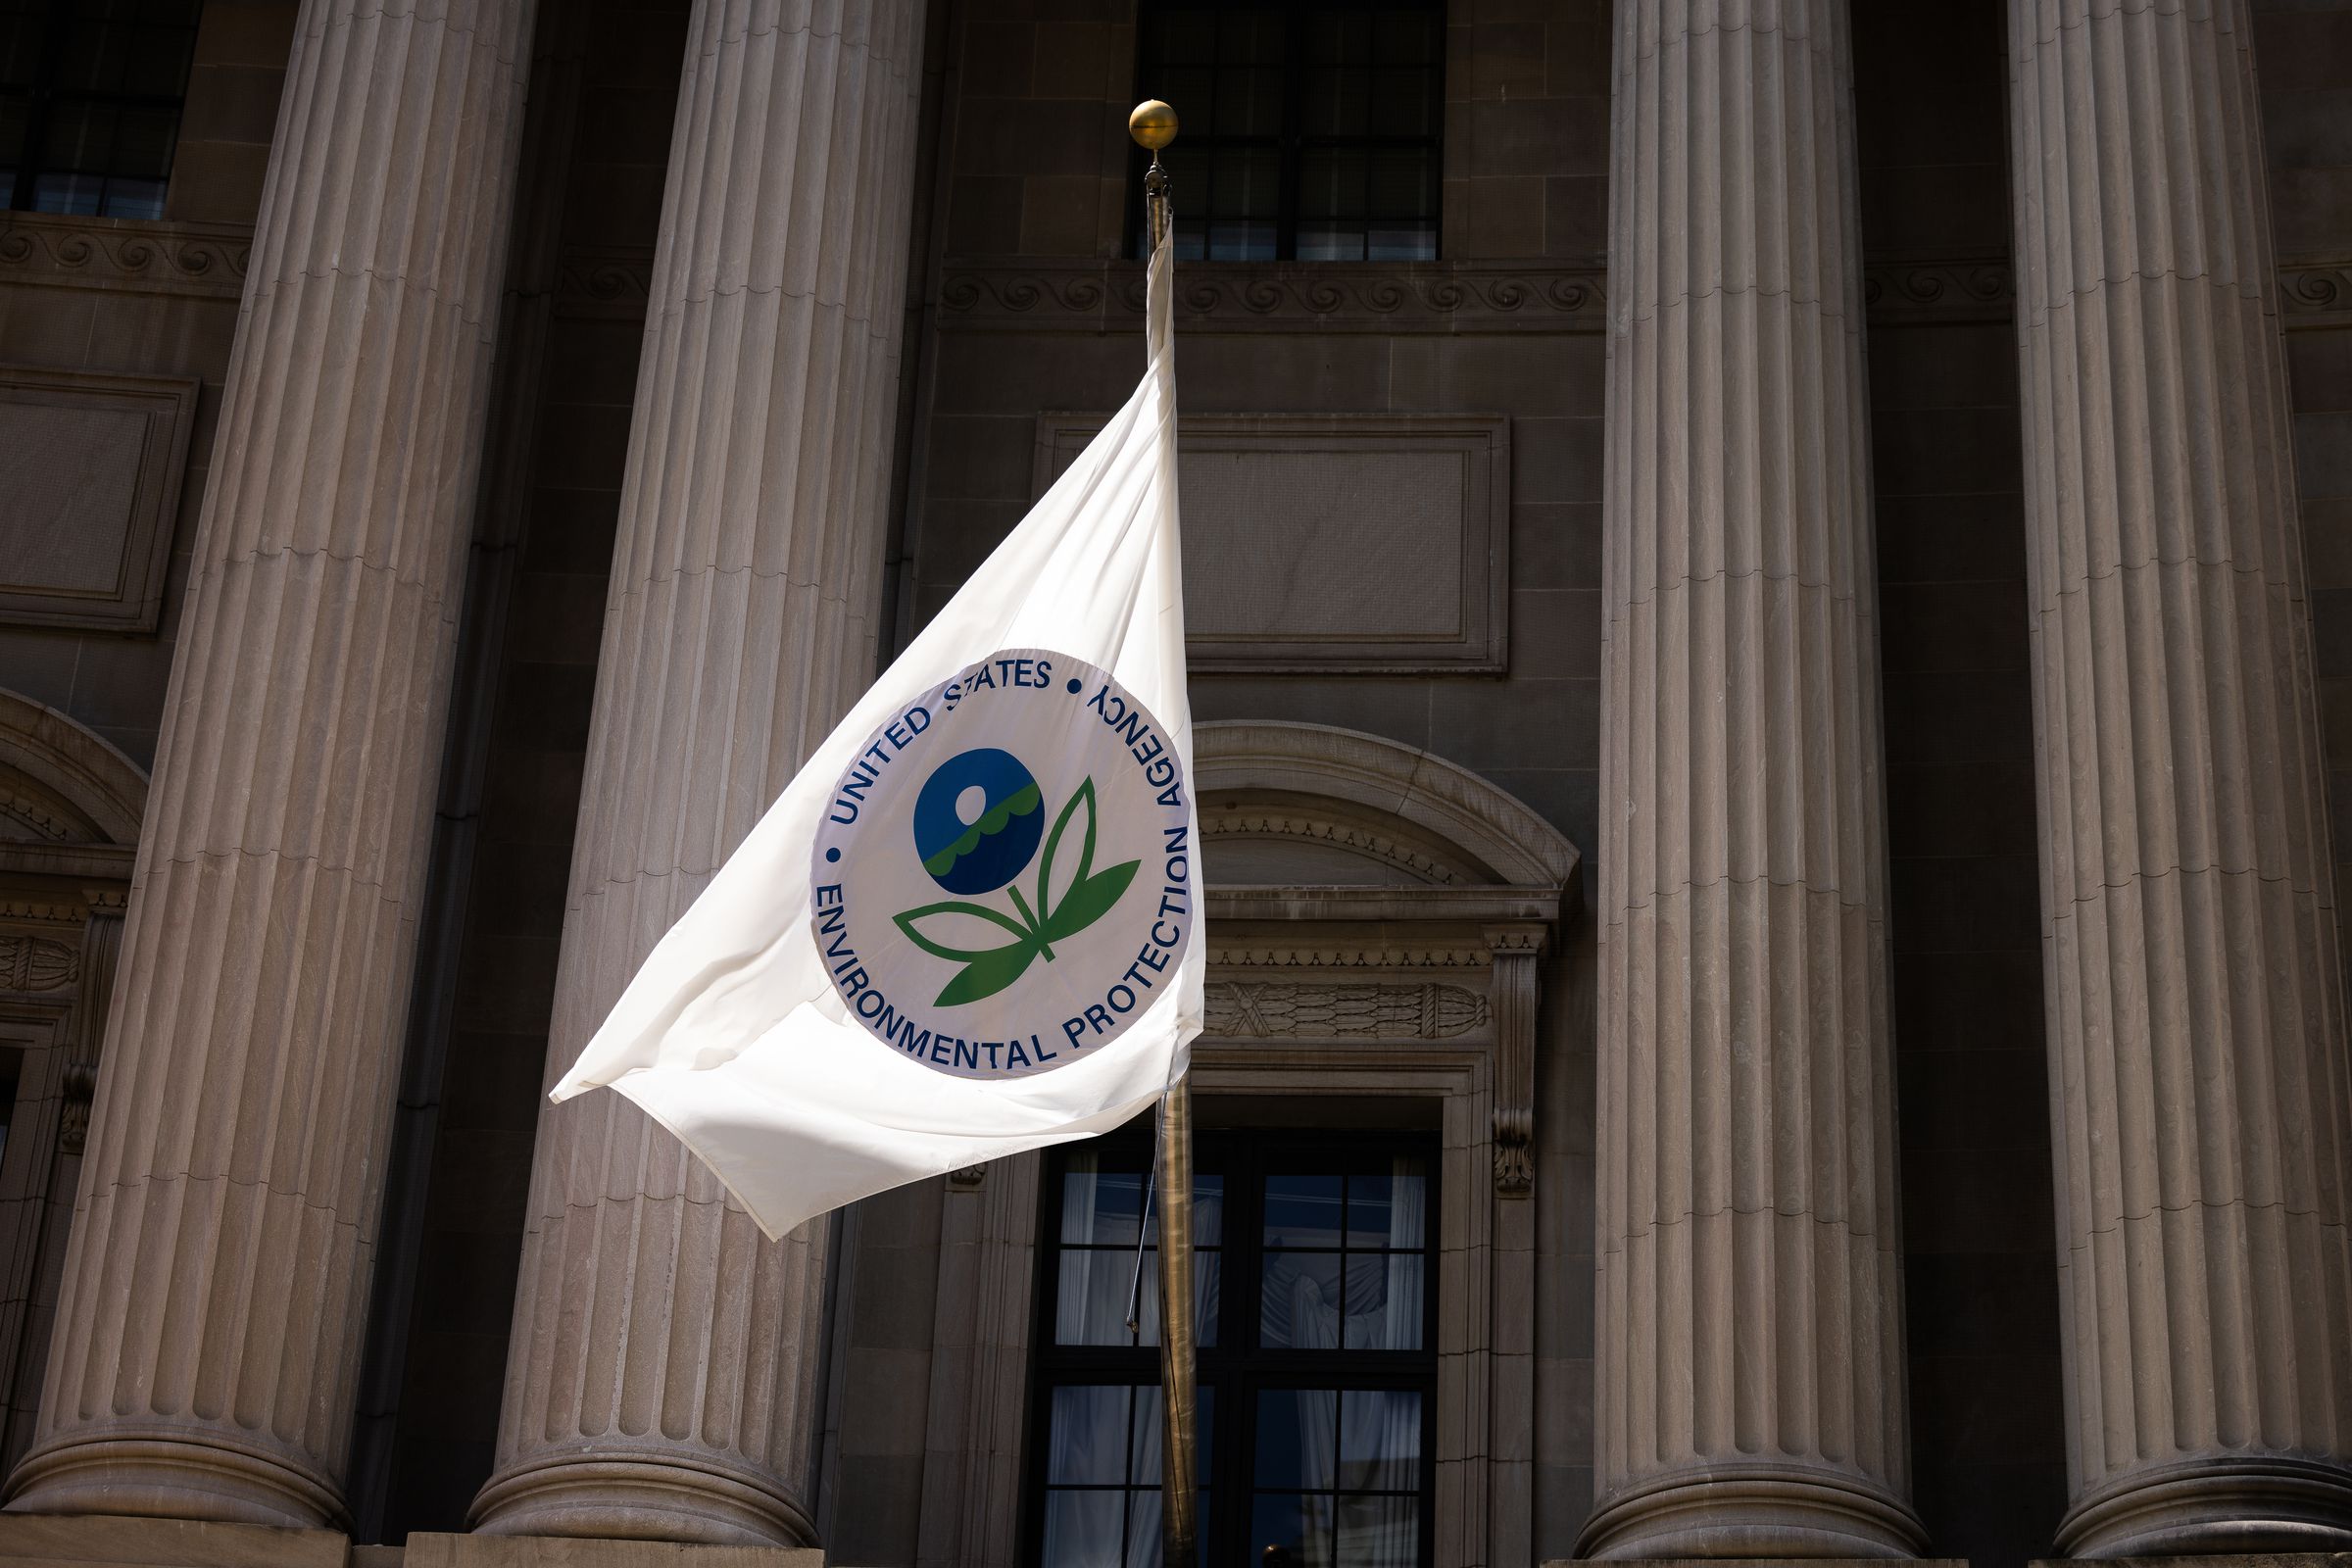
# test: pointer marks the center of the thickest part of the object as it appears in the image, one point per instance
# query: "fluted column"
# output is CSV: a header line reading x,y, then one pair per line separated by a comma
x,y
1750,1361
664,1373
2198,1084
208,1338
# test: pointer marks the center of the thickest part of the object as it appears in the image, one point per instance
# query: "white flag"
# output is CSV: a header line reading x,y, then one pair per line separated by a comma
x,y
969,926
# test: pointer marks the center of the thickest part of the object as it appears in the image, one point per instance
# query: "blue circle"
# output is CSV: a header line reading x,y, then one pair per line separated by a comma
x,y
833,855
1073,688
985,854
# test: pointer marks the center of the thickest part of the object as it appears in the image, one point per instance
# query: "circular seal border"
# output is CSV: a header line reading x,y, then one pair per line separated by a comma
x,y
1130,730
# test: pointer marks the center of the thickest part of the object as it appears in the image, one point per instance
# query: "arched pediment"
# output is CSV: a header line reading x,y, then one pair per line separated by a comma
x,y
1313,806
61,784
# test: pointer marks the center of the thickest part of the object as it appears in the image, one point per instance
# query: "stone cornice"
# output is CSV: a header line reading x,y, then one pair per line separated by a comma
x,y
1415,297
206,261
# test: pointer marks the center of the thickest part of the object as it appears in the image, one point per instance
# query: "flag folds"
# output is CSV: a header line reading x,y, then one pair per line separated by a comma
x,y
968,927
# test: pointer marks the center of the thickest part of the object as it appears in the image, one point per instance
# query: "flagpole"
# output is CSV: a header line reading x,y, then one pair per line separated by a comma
x,y
1153,126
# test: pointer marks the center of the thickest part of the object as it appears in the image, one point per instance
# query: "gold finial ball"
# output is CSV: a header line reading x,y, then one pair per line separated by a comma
x,y
1153,124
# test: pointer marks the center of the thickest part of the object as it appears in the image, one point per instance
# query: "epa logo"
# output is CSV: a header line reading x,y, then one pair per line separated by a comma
x,y
1003,882
977,825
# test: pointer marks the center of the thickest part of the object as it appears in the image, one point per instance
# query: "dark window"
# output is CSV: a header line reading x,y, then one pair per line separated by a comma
x,y
90,94
1309,131
1315,1296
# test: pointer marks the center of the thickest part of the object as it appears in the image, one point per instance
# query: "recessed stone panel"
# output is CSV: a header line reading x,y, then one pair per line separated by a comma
x,y
91,469
1335,542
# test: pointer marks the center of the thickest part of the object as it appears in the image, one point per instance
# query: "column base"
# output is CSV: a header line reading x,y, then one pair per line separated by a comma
x,y
165,1474
619,1496
1801,1562
119,1541
2271,1504
529,1551
1740,1511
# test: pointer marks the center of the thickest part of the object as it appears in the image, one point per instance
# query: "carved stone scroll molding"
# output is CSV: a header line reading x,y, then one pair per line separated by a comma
x,y
612,285
1972,287
1515,994
1279,297
204,259
1259,1010
2315,291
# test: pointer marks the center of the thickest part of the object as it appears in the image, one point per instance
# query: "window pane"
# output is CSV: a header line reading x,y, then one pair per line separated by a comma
x,y
1379,1532
1092,1287
1383,1302
1099,1206
12,141
1087,1444
1144,1466
1380,1439
1230,241
1296,1439
1290,1532
133,198
1082,1529
1387,1210
1303,1210
20,42
1209,1213
1300,1302
1143,1540
1402,243
142,146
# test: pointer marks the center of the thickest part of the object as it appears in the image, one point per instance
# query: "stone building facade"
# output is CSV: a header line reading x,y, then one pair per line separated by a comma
x,y
1771,590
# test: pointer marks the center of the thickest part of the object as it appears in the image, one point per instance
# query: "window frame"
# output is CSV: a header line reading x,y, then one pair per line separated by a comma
x,y
1291,143
43,96
1237,1368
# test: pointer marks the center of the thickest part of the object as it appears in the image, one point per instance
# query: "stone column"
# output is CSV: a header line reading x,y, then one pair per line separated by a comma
x,y
208,1338
2198,1082
665,1371
1750,1357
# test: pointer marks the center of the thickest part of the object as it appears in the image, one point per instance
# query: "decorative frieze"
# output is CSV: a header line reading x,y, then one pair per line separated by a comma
x,y
2315,292
1975,287
1243,1009
206,261
31,964
611,283
1278,297
1287,955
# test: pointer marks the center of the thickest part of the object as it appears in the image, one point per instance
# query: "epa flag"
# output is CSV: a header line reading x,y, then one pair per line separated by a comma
x,y
969,926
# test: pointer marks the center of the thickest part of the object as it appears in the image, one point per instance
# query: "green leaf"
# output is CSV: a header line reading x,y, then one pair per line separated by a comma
x,y
939,950
986,974
1088,902
1084,796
